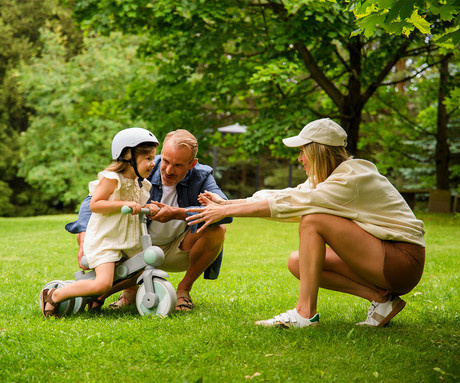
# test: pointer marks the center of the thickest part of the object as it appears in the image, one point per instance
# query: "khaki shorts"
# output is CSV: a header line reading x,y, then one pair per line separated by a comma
x,y
176,260
403,265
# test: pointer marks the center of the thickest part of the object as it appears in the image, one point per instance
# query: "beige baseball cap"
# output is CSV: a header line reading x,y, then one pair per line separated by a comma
x,y
323,131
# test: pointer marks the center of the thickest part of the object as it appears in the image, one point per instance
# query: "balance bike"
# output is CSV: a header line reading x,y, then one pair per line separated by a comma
x,y
155,296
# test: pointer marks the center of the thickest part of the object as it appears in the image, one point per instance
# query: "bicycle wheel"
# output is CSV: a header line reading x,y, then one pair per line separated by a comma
x,y
66,307
165,294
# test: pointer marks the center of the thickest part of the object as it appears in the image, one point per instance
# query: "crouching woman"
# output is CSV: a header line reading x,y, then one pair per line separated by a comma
x,y
357,235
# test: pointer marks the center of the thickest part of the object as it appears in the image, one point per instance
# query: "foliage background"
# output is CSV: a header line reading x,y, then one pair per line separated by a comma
x,y
79,71
78,109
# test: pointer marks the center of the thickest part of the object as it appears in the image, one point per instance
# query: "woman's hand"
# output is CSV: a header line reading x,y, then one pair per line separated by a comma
x,y
211,213
207,197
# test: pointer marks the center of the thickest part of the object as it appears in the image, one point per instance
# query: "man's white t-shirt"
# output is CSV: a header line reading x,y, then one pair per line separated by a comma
x,y
164,233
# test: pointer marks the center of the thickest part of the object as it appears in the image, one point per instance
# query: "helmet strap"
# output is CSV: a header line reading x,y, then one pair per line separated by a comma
x,y
132,162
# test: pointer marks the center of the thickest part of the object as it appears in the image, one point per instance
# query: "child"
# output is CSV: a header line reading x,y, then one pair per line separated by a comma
x,y
110,232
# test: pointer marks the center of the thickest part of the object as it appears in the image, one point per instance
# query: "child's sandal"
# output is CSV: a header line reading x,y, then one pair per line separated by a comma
x,y
95,305
46,297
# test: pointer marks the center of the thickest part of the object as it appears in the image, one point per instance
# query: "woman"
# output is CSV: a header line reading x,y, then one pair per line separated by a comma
x,y
375,247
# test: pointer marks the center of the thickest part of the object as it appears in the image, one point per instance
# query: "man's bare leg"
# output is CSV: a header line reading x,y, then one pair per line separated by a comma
x,y
204,247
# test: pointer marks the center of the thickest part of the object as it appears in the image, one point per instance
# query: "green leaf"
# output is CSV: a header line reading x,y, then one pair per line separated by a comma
x,y
406,9
454,36
420,23
394,13
370,24
445,12
396,27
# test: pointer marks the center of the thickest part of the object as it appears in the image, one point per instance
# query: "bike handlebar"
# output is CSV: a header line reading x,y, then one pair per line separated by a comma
x,y
127,210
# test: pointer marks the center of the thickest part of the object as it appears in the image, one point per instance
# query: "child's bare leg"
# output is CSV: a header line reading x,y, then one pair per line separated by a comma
x,y
127,285
88,287
80,240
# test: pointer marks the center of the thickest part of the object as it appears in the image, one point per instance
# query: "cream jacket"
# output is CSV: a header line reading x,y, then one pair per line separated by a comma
x,y
357,191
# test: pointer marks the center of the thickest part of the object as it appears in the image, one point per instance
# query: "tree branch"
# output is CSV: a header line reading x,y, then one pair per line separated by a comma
x,y
384,72
453,111
278,86
419,50
317,74
412,76
341,59
406,120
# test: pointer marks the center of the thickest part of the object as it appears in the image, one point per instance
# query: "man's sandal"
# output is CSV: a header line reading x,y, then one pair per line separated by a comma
x,y
46,298
186,303
125,299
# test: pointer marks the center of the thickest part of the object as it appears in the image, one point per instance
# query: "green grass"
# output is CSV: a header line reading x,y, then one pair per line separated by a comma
x,y
218,342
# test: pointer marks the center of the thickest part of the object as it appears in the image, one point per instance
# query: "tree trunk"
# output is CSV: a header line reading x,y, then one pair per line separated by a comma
x,y
351,104
351,126
442,147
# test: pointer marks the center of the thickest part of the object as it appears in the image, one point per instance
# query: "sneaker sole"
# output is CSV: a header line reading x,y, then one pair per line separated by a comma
x,y
391,315
285,325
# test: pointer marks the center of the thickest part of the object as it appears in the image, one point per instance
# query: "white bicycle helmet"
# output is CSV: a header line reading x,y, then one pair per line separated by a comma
x,y
130,138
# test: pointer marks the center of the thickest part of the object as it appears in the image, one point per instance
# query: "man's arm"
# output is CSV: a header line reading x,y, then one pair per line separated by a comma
x,y
210,185
167,213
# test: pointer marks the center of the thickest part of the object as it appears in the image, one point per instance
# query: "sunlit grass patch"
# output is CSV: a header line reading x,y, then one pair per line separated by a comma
x,y
218,342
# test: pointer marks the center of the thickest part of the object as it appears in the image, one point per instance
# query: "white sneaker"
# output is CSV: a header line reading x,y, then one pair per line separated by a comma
x,y
290,318
379,314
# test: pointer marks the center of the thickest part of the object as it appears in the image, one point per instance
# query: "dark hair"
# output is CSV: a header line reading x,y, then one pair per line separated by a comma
x,y
141,149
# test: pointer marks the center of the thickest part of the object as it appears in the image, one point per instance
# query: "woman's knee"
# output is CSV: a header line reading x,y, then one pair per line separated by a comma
x,y
311,222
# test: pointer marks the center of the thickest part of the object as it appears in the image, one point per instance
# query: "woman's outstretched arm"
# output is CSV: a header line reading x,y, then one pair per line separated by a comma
x,y
206,197
214,212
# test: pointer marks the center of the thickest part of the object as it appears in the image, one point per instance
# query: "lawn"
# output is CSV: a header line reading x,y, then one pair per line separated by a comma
x,y
218,342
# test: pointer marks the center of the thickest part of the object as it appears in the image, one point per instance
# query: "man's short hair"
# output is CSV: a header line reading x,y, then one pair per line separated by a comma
x,y
184,138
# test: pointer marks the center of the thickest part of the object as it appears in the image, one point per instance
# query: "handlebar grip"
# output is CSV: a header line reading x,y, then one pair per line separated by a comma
x,y
127,210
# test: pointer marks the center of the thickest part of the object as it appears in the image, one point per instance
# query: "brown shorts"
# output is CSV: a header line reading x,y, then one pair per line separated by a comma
x,y
403,265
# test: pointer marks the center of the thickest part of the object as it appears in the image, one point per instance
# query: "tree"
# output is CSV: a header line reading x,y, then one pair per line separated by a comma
x,y
78,108
274,65
440,22
20,25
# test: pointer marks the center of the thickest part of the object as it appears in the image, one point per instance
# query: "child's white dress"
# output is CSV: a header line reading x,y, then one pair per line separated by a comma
x,y
109,234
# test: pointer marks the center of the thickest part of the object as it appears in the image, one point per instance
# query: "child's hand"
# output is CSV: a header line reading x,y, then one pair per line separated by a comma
x,y
207,196
134,206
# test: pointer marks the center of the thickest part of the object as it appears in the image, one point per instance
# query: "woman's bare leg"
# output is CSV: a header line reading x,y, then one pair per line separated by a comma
x,y
338,276
359,250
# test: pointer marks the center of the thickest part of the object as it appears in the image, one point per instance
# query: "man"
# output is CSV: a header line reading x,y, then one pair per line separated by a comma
x,y
177,180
